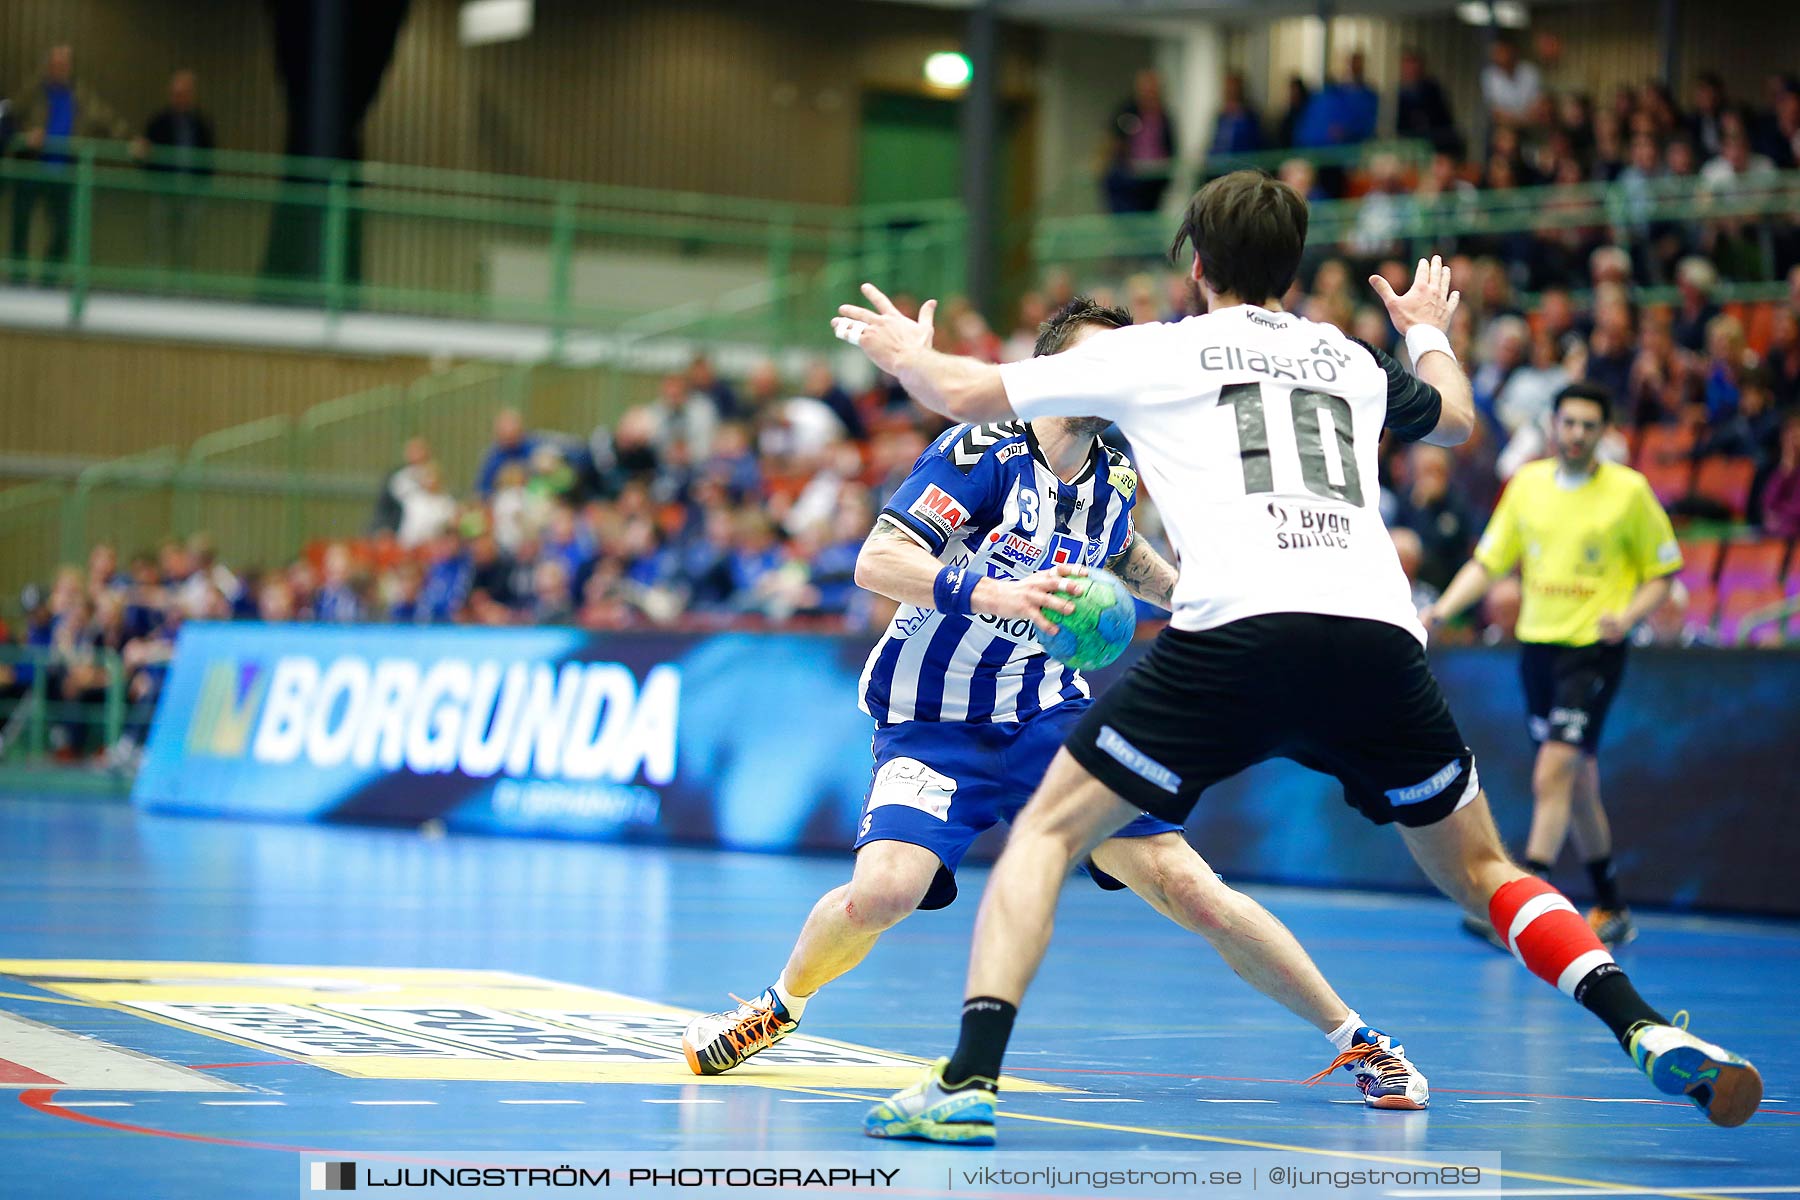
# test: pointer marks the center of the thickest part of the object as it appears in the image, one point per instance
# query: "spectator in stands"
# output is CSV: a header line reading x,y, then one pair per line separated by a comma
x,y
704,379
1609,155
1695,280
1783,358
1143,152
1781,496
337,601
445,584
1385,213
511,444
1343,112
1510,86
426,510
416,454
1299,96
1525,403
1421,109
1705,121
1739,246
1728,358
684,414
52,110
822,385
178,141
1506,343
1432,509
1238,129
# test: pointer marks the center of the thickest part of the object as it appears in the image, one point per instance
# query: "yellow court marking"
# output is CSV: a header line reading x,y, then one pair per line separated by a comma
x,y
1599,1185
52,1000
446,1024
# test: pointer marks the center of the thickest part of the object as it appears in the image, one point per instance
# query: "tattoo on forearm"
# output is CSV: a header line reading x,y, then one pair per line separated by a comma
x,y
888,530
1143,571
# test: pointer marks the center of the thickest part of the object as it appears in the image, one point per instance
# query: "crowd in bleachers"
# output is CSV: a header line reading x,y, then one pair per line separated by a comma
x,y
1636,140
730,502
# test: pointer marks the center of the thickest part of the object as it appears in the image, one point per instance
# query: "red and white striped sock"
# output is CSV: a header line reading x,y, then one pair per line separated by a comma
x,y
1544,932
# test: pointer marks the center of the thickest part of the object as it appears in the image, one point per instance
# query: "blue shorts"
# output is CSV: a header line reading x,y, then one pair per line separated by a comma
x,y
941,784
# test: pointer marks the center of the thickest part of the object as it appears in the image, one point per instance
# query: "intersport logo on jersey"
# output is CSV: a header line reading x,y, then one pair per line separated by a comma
x,y
573,721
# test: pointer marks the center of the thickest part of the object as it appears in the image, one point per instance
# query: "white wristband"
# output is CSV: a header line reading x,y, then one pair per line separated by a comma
x,y
1423,338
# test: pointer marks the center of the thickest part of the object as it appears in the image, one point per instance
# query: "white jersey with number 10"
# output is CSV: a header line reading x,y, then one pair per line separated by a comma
x,y
1256,434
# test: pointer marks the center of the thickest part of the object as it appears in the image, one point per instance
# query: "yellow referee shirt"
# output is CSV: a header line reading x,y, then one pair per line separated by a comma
x,y
1582,551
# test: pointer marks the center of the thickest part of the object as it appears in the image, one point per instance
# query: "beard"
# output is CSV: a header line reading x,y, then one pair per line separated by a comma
x,y
1086,426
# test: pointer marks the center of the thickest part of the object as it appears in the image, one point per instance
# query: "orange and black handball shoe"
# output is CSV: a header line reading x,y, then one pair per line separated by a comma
x,y
1382,1072
717,1042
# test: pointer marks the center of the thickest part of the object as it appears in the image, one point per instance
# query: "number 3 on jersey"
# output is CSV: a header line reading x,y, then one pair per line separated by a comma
x,y
1323,432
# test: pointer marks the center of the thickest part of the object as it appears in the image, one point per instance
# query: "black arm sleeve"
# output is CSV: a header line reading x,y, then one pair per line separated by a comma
x,y
1413,406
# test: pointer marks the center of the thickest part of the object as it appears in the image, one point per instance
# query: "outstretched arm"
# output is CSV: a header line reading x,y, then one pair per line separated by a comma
x,y
1471,584
894,564
1148,574
1423,316
963,389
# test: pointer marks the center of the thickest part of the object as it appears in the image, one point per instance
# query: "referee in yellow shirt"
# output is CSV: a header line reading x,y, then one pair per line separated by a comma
x,y
1596,554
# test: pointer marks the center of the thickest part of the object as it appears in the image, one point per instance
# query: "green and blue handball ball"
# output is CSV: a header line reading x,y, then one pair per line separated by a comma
x,y
1101,626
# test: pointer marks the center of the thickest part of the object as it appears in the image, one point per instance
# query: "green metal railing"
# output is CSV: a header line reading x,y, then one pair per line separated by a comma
x,y
33,710
344,236
1082,194
1143,239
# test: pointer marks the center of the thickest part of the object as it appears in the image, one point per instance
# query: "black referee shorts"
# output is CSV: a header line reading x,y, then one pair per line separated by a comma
x,y
1352,698
1569,690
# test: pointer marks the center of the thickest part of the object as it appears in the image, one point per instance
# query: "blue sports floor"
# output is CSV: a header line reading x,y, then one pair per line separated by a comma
x,y
227,947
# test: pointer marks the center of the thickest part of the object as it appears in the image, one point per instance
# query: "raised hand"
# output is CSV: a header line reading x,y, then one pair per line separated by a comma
x,y
1428,302
884,333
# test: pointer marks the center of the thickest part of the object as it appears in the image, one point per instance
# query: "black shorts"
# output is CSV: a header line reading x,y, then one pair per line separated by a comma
x,y
1569,690
1352,698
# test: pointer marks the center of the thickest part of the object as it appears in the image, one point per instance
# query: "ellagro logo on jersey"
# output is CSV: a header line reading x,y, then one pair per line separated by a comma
x,y
578,721
1309,528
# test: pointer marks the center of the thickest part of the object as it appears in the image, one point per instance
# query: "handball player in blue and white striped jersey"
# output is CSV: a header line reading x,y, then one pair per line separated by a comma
x,y
977,542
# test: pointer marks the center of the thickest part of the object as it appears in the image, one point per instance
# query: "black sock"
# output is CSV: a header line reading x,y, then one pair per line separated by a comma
x,y
1607,993
1540,869
986,1025
1606,883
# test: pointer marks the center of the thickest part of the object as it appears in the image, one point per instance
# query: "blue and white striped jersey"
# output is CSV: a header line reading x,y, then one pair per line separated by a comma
x,y
983,496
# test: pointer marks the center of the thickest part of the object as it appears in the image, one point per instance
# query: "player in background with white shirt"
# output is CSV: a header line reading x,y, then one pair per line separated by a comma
x,y
1295,639
970,711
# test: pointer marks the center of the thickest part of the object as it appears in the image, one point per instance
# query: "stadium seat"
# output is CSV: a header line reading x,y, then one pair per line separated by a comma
x,y
1726,481
1664,455
1670,481
1699,564
1703,606
1666,443
1740,603
1752,564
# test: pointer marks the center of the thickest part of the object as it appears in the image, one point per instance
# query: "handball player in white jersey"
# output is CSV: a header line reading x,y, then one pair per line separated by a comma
x,y
969,712
1293,634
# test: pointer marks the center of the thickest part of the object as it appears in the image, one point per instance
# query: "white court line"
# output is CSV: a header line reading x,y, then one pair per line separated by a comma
x,y
1099,1100
242,1103
818,1100
1621,1100
543,1102
393,1102
1519,1101
647,1101
92,1103
1203,1100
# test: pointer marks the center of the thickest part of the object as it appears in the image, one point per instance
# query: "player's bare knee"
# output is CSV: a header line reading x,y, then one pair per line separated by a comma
x,y
1555,769
882,900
